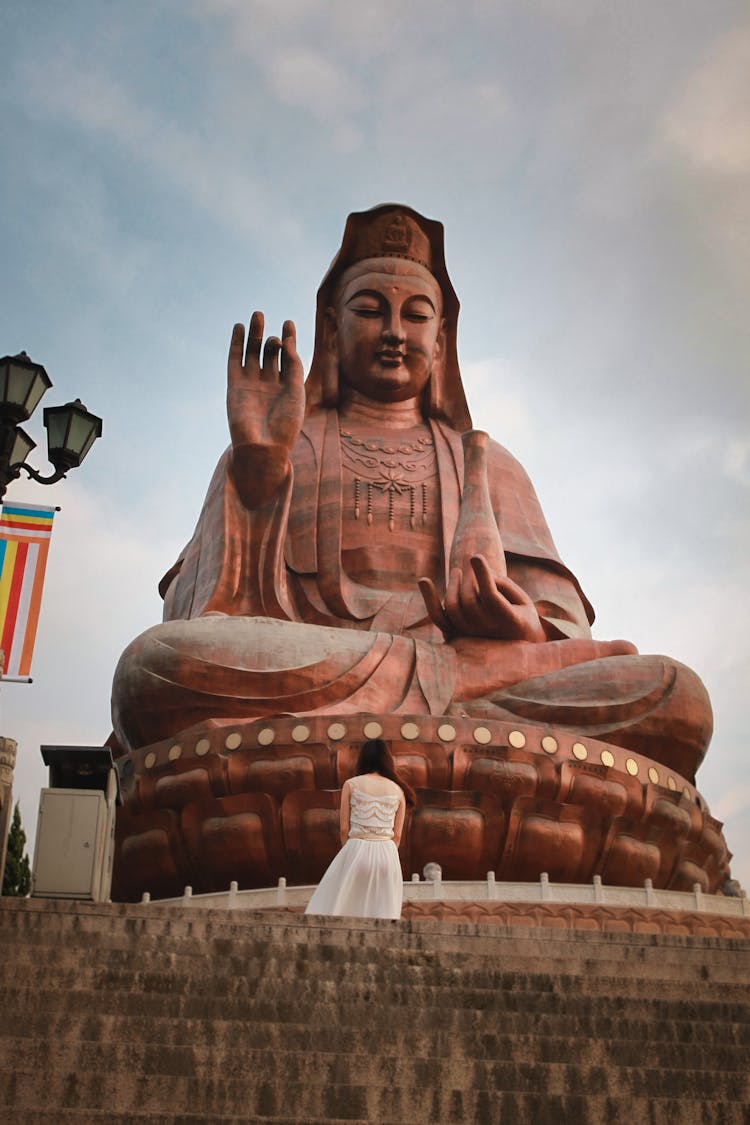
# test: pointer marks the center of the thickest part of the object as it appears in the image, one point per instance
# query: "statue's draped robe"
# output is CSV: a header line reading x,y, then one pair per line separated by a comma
x,y
261,618
284,561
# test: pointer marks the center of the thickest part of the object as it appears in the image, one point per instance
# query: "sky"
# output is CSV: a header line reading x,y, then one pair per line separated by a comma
x,y
171,165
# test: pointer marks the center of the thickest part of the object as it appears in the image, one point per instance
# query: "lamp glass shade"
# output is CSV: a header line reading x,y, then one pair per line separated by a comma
x,y
71,431
22,384
22,447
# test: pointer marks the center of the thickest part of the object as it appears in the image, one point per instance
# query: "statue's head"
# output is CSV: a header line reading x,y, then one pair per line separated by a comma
x,y
387,317
384,331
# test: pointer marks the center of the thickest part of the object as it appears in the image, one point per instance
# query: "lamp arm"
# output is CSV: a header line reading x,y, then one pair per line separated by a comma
x,y
14,470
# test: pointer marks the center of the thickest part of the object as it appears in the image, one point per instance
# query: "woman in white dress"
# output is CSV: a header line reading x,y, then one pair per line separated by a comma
x,y
364,880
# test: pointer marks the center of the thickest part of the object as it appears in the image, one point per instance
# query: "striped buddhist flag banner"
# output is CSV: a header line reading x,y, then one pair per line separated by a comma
x,y
25,531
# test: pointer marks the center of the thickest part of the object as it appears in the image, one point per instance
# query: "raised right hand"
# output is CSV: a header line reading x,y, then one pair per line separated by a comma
x,y
265,402
265,407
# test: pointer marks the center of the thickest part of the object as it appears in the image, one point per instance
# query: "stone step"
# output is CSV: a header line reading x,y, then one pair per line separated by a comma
x,y
177,922
318,986
548,1033
520,1109
527,1015
433,945
566,1089
330,1064
353,1006
242,959
73,964
252,957
173,1014
95,1116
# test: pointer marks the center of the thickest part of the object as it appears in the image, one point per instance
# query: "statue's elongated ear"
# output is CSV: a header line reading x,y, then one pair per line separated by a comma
x,y
329,383
330,331
435,396
440,343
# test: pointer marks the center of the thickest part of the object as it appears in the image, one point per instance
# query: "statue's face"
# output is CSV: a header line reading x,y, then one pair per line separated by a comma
x,y
386,328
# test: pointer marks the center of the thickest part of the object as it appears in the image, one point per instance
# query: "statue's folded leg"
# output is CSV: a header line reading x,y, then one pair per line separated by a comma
x,y
214,667
650,704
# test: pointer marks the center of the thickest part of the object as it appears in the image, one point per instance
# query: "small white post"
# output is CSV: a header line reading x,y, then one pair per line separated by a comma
x,y
648,888
146,896
544,884
490,884
598,889
698,893
433,873
281,891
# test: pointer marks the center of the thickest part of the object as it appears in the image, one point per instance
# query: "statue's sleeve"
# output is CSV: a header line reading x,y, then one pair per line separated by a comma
x,y
531,555
234,562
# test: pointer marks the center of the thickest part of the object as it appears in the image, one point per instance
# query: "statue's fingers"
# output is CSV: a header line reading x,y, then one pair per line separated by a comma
x,y
489,594
476,617
255,337
484,579
433,605
462,604
515,594
453,592
496,587
236,349
271,351
291,365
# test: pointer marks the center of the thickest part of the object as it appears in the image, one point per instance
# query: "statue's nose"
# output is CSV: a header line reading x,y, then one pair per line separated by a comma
x,y
393,329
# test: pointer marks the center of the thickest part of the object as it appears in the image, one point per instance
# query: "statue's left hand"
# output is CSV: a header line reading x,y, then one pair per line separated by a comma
x,y
478,604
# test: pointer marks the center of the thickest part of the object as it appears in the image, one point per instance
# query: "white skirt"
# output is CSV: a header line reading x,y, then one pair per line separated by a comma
x,y
363,881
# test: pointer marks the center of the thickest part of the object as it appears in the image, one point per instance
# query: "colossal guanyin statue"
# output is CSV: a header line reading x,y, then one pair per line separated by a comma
x,y
364,557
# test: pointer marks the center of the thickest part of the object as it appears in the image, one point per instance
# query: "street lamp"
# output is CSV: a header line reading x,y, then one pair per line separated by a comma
x,y
71,430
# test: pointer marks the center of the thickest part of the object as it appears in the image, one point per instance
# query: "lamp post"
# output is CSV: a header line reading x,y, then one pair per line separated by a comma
x,y
71,430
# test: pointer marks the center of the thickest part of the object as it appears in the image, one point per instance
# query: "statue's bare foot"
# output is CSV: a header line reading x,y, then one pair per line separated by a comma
x,y
486,666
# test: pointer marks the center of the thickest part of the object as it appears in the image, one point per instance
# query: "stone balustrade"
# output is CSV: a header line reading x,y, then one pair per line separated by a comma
x,y
419,890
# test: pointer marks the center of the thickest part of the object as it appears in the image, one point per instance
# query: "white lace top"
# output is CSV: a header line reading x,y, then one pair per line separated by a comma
x,y
372,816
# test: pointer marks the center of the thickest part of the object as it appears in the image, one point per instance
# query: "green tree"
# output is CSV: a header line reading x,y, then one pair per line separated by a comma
x,y
17,878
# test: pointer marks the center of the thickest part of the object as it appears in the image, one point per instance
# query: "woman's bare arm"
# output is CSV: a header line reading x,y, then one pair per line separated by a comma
x,y
345,812
398,824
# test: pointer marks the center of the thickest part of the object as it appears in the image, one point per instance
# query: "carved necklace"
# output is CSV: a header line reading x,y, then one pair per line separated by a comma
x,y
399,470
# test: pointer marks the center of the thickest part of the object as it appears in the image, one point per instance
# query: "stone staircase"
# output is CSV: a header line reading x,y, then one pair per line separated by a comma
x,y
117,1013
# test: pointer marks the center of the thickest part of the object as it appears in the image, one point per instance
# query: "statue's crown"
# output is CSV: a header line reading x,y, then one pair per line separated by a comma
x,y
391,234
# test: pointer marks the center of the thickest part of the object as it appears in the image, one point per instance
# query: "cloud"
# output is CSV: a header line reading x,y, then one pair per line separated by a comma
x,y
376,75
499,387
736,461
192,163
303,77
707,129
732,803
709,122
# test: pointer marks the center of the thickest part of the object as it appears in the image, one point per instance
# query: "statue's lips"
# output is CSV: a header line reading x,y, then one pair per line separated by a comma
x,y
391,359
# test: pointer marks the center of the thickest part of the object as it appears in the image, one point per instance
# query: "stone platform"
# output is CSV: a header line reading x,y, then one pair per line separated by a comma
x,y
154,1013
257,801
595,907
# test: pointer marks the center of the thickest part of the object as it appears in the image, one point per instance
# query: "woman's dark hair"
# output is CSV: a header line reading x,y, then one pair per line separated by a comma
x,y
375,757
